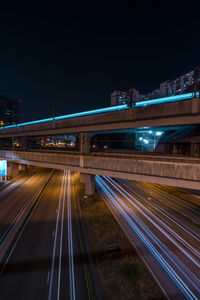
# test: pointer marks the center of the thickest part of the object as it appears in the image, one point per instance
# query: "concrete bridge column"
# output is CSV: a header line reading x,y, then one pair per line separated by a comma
x,y
194,149
23,167
82,178
89,184
13,169
84,141
23,143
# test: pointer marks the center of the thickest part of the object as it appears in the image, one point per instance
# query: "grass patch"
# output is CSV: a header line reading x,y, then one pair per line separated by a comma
x,y
132,271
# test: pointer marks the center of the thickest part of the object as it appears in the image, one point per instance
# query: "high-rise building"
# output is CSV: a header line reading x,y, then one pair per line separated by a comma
x,y
182,84
185,83
121,97
9,111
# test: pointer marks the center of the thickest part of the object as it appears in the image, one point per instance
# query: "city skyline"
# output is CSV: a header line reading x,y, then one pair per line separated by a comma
x,y
68,56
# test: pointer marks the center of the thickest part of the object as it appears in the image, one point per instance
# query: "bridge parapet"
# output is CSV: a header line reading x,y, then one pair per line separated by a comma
x,y
179,171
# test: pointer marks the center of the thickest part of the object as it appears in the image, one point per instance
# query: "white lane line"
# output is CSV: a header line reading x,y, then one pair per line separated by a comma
x,y
61,238
135,203
124,208
70,243
48,276
55,242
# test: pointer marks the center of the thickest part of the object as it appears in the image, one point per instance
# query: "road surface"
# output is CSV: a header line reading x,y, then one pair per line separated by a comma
x,y
165,229
46,261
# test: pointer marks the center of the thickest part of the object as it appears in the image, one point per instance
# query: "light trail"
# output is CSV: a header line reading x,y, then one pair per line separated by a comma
x,y
58,240
130,199
55,240
70,243
61,238
162,201
165,240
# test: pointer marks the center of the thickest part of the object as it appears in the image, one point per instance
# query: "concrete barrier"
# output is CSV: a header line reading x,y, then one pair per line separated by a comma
x,y
176,171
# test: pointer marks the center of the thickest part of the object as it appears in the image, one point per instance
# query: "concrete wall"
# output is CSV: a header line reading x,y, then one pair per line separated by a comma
x,y
175,171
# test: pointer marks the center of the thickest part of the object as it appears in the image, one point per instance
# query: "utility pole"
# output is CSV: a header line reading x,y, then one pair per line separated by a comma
x,y
129,96
53,113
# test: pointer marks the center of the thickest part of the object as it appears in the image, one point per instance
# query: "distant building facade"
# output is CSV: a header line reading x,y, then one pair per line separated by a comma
x,y
121,97
180,85
9,111
183,84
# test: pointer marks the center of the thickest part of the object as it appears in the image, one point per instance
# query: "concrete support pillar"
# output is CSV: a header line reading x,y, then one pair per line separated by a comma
x,y
23,167
84,141
89,184
13,169
23,143
82,178
194,149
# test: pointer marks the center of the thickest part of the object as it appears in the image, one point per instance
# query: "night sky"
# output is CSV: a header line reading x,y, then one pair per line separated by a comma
x,y
72,56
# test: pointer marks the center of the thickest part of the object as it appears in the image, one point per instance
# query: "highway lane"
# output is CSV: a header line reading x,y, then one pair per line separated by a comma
x,y
163,227
14,198
46,260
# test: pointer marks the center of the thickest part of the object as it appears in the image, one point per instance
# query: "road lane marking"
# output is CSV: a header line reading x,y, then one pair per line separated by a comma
x,y
61,238
70,242
124,209
48,276
55,242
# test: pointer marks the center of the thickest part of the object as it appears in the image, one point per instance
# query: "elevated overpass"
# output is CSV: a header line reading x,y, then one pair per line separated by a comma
x,y
168,111
175,171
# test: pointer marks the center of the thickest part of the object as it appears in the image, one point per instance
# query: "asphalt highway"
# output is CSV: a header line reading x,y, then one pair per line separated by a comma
x,y
164,227
46,260
15,197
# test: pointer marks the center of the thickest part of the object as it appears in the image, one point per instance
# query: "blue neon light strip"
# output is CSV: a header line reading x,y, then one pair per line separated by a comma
x,y
107,109
75,115
166,99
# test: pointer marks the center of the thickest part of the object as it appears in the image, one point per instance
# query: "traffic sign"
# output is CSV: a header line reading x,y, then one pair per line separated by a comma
x,y
3,168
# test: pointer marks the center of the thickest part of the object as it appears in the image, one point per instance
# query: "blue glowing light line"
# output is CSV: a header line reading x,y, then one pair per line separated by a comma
x,y
142,237
169,254
106,109
166,99
170,216
171,272
75,115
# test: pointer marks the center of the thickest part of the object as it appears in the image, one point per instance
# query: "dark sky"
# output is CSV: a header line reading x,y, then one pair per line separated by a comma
x,y
72,56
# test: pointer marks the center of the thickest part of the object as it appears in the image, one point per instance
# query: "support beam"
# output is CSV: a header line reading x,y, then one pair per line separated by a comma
x,y
89,184
13,169
194,149
84,141
23,167
23,143
82,178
